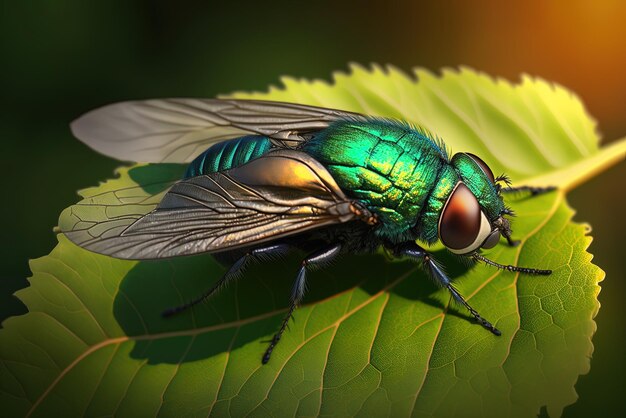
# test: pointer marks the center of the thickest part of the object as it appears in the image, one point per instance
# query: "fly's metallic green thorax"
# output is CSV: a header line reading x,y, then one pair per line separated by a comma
x,y
228,154
478,183
389,166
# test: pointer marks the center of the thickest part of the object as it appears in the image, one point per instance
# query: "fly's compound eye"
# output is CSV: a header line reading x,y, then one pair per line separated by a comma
x,y
463,227
483,166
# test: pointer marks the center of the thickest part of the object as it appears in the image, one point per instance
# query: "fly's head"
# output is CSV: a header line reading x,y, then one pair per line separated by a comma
x,y
473,216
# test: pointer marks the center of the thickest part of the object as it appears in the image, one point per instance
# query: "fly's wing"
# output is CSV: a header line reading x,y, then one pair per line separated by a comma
x,y
280,194
177,130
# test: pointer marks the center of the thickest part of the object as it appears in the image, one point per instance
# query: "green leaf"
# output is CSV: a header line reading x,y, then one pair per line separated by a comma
x,y
374,337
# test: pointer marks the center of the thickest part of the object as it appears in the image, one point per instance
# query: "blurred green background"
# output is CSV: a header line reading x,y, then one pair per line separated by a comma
x,y
61,58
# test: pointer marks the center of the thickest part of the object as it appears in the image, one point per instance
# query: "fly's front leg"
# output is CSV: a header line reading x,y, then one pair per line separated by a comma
x,y
502,223
315,260
237,268
534,191
417,253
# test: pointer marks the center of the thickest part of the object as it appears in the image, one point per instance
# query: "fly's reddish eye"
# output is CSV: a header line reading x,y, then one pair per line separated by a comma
x,y
460,222
483,166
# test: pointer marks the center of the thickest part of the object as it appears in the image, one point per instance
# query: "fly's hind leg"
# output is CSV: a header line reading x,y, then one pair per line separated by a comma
x,y
312,261
417,253
236,269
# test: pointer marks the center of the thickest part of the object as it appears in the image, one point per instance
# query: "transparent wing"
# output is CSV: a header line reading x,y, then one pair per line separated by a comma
x,y
177,130
283,193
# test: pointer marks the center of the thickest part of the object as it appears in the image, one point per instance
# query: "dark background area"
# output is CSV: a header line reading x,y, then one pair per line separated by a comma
x,y
62,58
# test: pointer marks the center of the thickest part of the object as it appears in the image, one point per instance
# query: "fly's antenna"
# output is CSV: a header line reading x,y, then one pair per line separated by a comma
x,y
525,270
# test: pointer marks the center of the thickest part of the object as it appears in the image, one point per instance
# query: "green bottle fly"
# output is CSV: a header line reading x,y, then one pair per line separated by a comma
x,y
265,178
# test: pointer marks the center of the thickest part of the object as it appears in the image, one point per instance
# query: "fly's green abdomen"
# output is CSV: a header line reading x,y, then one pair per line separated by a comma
x,y
389,166
228,154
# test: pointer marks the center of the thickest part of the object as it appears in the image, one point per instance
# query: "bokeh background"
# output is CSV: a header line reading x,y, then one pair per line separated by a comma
x,y
60,58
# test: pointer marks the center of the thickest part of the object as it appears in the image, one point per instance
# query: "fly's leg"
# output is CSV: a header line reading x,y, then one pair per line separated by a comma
x,y
534,191
315,260
525,270
417,253
502,223
235,271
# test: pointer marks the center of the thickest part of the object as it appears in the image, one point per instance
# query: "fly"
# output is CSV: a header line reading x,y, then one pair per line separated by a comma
x,y
265,178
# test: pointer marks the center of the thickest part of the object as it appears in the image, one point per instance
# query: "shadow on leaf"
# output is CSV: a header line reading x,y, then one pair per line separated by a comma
x,y
250,309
